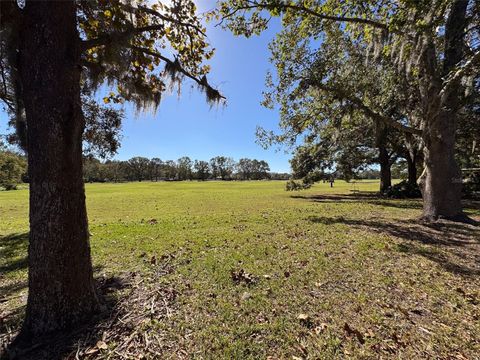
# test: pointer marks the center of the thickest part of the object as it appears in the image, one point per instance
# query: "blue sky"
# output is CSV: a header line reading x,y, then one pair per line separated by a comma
x,y
188,126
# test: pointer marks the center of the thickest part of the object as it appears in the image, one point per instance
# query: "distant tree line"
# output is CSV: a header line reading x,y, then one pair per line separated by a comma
x,y
144,169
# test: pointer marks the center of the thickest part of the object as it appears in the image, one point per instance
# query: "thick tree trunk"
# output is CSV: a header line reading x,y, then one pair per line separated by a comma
x,y
61,287
441,182
385,169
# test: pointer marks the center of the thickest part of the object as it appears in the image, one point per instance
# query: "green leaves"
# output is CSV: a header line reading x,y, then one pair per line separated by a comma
x,y
12,168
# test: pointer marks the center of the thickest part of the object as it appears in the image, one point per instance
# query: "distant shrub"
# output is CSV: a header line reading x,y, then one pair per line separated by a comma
x,y
293,185
403,190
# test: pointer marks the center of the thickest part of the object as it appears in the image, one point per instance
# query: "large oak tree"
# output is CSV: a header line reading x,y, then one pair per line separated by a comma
x,y
332,116
432,44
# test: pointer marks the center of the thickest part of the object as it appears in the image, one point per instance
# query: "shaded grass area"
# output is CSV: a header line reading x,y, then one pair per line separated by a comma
x,y
327,273
13,253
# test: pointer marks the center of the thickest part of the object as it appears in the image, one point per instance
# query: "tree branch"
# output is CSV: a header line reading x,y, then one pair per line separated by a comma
x,y
163,17
177,66
108,38
264,6
458,73
364,108
8,102
105,39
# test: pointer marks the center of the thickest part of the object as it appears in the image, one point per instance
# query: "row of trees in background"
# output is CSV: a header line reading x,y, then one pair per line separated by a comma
x,y
399,170
141,169
13,169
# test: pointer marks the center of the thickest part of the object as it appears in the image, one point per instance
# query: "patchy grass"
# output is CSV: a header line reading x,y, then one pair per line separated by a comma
x,y
258,272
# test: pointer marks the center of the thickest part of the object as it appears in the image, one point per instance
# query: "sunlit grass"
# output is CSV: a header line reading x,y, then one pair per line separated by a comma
x,y
321,252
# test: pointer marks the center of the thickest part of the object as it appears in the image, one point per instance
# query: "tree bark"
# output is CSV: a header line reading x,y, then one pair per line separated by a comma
x,y
381,138
442,182
385,169
412,169
61,286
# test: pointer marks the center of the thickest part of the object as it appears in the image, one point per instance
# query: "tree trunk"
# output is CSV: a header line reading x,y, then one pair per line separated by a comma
x,y
442,181
381,138
385,169
412,169
413,156
61,286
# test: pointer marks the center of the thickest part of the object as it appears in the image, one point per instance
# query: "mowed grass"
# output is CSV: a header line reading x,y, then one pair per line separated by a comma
x,y
337,272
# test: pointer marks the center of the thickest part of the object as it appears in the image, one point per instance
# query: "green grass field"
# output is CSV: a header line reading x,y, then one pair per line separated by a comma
x,y
258,272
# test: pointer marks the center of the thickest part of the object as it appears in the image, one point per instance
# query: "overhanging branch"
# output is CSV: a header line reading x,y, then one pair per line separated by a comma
x,y
306,10
213,94
365,108
166,18
118,36
105,39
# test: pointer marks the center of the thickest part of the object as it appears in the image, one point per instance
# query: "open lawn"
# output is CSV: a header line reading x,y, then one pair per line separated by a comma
x,y
246,270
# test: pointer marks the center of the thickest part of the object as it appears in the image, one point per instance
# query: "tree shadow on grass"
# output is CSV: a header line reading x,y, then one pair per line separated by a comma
x,y
13,249
364,197
374,198
13,246
9,290
454,246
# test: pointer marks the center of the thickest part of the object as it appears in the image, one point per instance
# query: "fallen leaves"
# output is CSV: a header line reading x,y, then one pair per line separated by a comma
x,y
303,317
241,276
306,320
129,330
470,297
350,332
320,328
